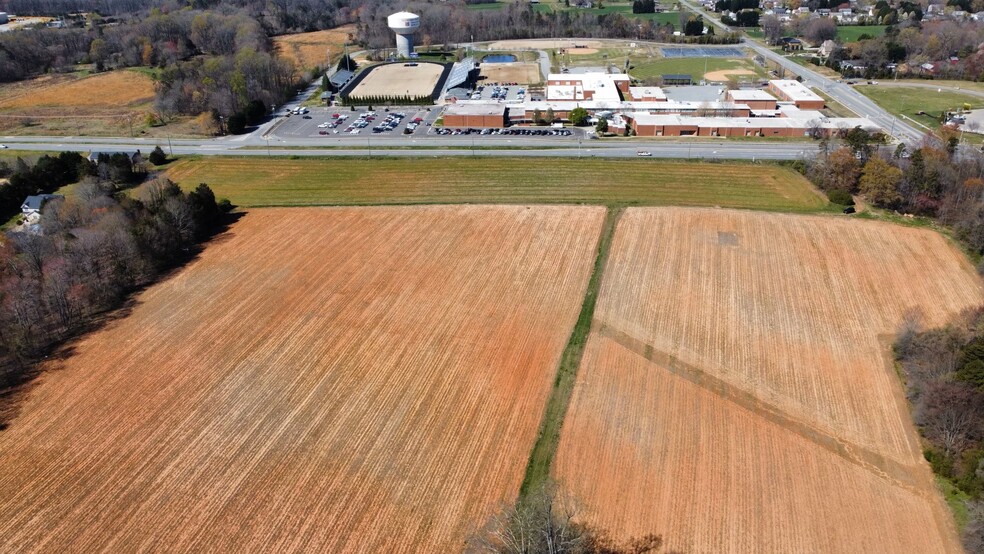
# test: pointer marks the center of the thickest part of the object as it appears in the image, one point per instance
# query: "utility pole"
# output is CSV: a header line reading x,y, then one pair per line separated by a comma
x,y
169,147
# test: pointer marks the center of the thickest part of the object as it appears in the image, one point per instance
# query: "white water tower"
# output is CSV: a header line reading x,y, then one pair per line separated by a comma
x,y
404,24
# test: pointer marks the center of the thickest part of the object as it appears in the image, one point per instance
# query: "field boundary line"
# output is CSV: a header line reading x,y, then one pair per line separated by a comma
x,y
900,474
548,438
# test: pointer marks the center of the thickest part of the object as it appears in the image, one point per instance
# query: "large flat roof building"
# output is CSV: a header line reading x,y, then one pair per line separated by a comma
x,y
797,93
753,98
587,86
475,115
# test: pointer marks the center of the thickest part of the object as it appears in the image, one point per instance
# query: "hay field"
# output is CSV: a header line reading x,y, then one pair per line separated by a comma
x,y
737,393
312,181
113,91
516,72
314,49
319,380
397,79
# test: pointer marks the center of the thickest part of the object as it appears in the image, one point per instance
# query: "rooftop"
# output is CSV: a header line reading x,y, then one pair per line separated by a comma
x,y
794,90
475,109
745,95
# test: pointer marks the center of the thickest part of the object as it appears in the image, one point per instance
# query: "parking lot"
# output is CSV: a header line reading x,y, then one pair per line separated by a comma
x,y
396,122
511,131
338,121
501,92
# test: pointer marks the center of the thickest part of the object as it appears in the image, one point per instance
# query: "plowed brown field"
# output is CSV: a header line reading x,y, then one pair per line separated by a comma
x,y
321,380
737,393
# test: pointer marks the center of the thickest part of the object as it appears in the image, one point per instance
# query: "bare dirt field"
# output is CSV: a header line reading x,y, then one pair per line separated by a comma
x,y
315,49
581,51
737,393
516,72
397,79
320,380
726,74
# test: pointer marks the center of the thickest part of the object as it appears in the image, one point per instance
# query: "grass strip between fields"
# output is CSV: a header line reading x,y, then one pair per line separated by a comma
x,y
542,455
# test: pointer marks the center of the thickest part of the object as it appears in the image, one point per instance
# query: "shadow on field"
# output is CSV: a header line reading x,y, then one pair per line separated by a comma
x,y
19,377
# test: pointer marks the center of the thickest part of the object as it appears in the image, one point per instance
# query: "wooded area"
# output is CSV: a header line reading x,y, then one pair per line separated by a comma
x,y
87,253
944,371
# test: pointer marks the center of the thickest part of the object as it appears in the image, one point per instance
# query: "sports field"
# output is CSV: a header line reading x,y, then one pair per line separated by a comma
x,y
286,182
318,380
399,79
739,376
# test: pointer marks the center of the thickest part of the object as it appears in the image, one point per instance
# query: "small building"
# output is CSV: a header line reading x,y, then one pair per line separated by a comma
x,y
475,115
340,78
33,204
677,79
753,98
797,93
791,44
827,48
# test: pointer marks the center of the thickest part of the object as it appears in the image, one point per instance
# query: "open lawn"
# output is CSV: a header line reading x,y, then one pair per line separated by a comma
x,y
908,101
287,182
851,33
318,380
315,49
737,393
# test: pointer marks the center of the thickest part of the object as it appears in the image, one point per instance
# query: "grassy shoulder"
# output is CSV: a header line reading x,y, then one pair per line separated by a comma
x,y
545,448
280,181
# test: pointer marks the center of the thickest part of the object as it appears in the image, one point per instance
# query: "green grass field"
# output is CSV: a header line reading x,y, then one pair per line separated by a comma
x,y
909,101
645,67
850,33
252,182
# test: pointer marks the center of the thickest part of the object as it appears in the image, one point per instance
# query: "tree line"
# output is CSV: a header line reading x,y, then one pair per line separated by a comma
x,y
944,368
944,375
88,252
933,180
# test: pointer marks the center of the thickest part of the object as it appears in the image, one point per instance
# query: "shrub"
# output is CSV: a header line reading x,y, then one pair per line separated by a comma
x,y
157,156
842,197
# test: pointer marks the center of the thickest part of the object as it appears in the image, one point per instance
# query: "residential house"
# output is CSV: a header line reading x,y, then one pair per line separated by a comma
x,y
33,204
827,48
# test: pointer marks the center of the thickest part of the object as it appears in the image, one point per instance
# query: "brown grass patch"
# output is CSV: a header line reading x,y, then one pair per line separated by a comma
x,y
111,91
737,393
581,51
320,380
316,49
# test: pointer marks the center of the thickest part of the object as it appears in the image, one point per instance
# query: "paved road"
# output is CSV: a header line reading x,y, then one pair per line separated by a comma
x,y
437,146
